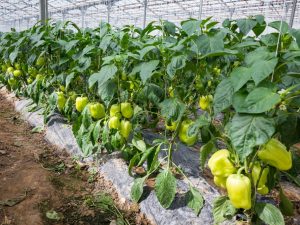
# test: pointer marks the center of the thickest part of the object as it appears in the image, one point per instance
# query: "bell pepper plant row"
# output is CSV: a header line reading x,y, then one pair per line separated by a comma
x,y
111,83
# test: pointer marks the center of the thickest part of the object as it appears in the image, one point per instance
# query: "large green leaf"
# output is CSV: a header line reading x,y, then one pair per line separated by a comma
x,y
105,42
269,39
147,69
296,34
222,209
248,131
191,26
223,95
239,77
246,25
13,55
195,200
269,214
107,72
70,45
70,77
258,101
137,188
107,91
261,69
172,109
280,26
208,44
259,54
165,188
145,50
177,62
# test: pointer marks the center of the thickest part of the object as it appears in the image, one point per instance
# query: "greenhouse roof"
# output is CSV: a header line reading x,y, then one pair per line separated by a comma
x,y
22,14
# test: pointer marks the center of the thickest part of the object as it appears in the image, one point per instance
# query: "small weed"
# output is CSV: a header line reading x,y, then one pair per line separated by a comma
x,y
56,181
92,175
104,202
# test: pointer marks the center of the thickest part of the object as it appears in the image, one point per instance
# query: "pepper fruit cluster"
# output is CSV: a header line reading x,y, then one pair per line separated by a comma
x,y
238,185
116,112
221,167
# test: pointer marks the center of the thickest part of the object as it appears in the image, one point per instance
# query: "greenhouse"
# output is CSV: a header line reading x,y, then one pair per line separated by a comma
x,y
170,112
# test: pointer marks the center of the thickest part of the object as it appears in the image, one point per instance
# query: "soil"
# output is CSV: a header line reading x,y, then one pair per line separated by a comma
x,y
40,185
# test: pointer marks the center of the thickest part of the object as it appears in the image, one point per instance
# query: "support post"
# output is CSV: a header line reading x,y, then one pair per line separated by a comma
x,y
231,12
64,16
43,11
108,11
294,6
200,9
145,13
83,11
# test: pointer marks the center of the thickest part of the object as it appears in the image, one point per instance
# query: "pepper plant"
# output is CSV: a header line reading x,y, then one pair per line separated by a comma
x,y
228,86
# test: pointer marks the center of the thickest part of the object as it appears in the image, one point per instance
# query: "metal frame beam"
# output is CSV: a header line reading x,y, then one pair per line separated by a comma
x,y
43,11
293,13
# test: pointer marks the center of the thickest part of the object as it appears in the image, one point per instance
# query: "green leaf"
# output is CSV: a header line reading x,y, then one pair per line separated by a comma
x,y
13,55
260,19
296,35
133,161
259,28
53,215
223,95
70,45
191,26
146,154
139,144
97,131
107,72
288,127
270,39
248,131
169,27
38,129
177,62
137,189
246,25
147,69
285,205
269,214
86,117
220,53
105,42
280,24
262,69
205,150
246,44
165,188
195,200
222,209
87,49
239,77
208,44
258,101
172,109
107,91
145,50
203,120
69,79
259,54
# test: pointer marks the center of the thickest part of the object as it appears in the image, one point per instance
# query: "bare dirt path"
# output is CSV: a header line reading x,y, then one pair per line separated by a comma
x,y
38,185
